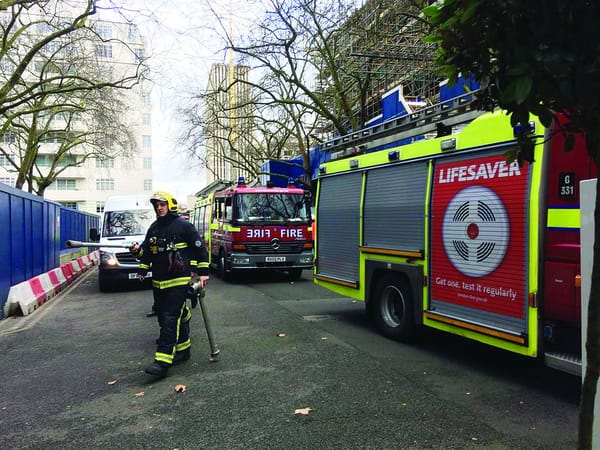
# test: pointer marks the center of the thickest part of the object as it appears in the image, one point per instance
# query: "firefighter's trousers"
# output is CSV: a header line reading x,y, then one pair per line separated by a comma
x,y
174,320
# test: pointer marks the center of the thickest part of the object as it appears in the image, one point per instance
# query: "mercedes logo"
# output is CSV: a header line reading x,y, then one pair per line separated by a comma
x,y
275,244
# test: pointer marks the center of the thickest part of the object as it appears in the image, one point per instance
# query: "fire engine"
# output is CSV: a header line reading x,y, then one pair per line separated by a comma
x,y
445,232
251,228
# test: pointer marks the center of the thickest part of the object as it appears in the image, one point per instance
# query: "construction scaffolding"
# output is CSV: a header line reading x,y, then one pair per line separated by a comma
x,y
382,42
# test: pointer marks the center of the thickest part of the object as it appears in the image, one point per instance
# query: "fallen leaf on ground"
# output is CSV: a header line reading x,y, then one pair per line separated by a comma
x,y
139,394
111,382
303,411
180,388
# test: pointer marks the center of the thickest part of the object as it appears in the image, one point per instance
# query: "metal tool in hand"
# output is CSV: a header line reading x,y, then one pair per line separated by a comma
x,y
196,294
75,244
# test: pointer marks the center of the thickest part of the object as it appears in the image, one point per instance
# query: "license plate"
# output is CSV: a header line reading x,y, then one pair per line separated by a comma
x,y
133,276
275,259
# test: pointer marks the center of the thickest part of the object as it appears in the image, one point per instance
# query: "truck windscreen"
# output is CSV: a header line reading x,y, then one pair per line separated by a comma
x,y
268,207
127,223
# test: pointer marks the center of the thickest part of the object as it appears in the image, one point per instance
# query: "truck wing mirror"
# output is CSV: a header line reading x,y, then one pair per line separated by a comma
x,y
94,235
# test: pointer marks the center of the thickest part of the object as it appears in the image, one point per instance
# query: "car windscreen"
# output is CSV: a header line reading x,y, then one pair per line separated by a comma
x,y
127,223
267,207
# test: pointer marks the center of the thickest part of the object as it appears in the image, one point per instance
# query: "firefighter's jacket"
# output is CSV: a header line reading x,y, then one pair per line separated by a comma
x,y
174,249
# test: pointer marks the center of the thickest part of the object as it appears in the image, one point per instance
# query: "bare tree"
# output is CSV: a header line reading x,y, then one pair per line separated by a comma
x,y
308,57
282,108
264,126
57,89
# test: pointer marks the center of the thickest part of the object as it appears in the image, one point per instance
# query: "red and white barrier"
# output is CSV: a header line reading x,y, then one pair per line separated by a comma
x,y
58,279
67,270
29,295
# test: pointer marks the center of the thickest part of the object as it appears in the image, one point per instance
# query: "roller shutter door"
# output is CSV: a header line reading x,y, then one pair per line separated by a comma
x,y
394,212
338,226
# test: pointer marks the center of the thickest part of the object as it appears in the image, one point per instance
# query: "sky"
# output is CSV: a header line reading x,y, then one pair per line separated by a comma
x,y
183,41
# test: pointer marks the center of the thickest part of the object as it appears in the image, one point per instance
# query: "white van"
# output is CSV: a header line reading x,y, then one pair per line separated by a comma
x,y
125,220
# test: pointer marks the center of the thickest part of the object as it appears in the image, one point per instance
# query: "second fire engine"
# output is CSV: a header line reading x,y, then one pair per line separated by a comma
x,y
251,228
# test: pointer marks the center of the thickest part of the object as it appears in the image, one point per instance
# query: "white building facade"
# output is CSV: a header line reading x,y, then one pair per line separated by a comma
x,y
118,50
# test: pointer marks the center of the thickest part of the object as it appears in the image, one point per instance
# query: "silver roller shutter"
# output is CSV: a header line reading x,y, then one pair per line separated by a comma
x,y
338,226
394,212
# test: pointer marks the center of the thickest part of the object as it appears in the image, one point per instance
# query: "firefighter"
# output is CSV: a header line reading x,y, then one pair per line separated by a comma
x,y
175,251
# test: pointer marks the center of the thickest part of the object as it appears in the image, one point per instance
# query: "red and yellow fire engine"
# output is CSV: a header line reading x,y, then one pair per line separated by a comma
x,y
445,233
251,228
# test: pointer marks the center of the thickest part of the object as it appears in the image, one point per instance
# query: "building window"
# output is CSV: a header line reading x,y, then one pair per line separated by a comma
x,y
104,30
133,33
54,137
148,185
146,119
106,141
66,161
146,141
145,98
104,51
139,53
147,163
8,180
4,161
50,160
6,65
105,184
72,205
105,162
43,161
99,207
63,184
9,137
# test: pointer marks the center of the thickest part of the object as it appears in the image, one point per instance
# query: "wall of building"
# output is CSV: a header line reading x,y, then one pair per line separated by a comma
x,y
87,186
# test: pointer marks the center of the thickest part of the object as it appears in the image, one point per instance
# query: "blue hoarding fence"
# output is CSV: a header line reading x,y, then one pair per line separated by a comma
x,y
32,235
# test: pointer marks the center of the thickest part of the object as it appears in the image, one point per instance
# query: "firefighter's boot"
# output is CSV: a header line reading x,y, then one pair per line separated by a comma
x,y
157,369
182,356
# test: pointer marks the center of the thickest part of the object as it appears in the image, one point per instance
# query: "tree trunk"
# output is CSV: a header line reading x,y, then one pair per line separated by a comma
x,y
592,346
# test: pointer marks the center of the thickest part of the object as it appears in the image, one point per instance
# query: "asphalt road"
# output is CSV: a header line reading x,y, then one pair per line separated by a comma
x,y
71,377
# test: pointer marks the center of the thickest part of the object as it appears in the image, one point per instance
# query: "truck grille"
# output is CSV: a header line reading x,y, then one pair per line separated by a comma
x,y
127,258
264,248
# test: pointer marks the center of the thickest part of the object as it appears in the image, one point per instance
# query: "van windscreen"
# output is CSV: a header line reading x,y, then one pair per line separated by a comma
x,y
127,223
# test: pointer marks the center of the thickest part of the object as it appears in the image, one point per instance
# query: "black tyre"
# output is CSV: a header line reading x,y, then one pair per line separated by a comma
x,y
295,274
392,308
104,284
222,267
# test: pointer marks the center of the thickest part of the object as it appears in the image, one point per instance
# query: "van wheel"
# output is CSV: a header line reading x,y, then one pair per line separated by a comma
x,y
393,308
295,274
221,268
104,285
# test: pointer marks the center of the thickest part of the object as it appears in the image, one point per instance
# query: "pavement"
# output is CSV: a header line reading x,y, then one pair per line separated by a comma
x,y
71,377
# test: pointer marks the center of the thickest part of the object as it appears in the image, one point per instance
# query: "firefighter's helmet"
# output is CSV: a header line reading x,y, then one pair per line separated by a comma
x,y
161,196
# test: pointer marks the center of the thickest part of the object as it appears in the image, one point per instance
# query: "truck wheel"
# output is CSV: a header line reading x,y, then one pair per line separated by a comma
x,y
393,309
295,274
223,274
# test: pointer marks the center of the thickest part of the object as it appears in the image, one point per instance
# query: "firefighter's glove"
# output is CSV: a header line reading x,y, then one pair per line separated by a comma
x,y
192,295
134,249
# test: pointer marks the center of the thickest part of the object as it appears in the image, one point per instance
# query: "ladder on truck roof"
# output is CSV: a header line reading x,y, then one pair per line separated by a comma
x,y
444,115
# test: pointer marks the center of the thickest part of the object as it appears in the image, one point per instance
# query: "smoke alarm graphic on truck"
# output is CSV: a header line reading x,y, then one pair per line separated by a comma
x,y
475,231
